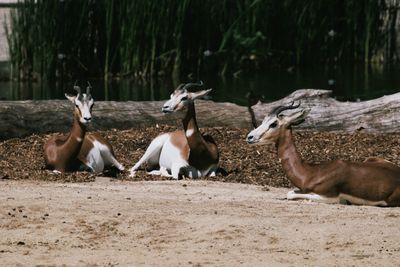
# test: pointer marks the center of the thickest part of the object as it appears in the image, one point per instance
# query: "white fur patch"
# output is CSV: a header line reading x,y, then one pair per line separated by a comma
x,y
291,195
152,154
79,139
94,159
100,156
189,132
163,152
171,156
162,172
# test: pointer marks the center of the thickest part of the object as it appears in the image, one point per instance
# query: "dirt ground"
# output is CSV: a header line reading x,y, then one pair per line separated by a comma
x,y
186,223
241,219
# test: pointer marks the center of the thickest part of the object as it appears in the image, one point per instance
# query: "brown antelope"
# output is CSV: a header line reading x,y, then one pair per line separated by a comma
x,y
78,150
182,153
373,182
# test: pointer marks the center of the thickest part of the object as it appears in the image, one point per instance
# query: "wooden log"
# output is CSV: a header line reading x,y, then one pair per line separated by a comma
x,y
381,115
22,118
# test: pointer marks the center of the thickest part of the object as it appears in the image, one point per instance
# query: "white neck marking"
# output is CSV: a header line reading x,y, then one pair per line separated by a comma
x,y
189,132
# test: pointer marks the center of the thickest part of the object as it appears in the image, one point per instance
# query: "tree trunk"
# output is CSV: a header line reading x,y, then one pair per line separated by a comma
x,y
381,115
22,118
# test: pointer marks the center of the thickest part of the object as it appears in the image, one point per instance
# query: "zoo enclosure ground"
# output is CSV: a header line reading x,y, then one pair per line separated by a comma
x,y
186,223
190,222
23,158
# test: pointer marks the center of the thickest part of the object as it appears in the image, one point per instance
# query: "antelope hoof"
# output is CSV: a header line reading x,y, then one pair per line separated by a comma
x,y
291,195
132,174
121,168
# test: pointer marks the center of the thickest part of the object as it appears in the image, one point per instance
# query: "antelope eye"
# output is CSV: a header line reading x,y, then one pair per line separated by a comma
x,y
184,98
273,125
76,106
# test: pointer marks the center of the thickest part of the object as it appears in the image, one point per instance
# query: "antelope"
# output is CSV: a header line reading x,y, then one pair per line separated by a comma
x,y
184,152
374,182
79,151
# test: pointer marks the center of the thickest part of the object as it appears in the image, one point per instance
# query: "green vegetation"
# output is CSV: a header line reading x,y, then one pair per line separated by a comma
x,y
56,40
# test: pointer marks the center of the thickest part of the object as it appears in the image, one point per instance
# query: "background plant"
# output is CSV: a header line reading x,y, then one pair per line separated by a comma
x,y
59,40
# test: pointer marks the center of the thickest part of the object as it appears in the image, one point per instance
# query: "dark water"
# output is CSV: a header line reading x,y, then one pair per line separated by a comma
x,y
346,83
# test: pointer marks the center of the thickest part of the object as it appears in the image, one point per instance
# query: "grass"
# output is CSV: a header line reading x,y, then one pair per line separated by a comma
x,y
65,40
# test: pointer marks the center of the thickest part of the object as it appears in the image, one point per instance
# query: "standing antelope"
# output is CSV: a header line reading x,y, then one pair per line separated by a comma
x,y
78,150
182,153
373,182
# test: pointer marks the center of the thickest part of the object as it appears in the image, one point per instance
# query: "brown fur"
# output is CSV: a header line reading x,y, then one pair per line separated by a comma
x,y
178,139
374,180
65,153
203,151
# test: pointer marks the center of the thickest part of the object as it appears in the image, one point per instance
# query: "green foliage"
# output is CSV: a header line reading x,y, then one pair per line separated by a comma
x,y
68,39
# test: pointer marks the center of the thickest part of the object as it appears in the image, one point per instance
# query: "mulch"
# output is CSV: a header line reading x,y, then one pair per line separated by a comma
x,y
23,158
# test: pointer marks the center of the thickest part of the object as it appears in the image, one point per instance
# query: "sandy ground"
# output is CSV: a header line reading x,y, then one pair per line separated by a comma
x,y
186,223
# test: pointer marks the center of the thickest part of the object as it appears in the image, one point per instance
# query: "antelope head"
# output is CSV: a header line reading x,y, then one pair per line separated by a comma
x,y
83,104
181,98
269,130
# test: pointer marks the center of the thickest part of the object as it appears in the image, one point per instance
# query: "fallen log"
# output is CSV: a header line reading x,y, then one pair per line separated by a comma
x,y
22,118
381,115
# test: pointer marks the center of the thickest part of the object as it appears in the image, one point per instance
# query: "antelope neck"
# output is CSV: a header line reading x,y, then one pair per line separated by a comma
x,y
291,161
190,123
202,154
74,141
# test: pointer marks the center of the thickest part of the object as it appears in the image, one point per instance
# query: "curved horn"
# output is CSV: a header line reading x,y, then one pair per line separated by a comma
x,y
180,87
189,85
77,88
279,109
88,88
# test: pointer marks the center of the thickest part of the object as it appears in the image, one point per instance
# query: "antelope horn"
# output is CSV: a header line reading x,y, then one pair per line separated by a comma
x,y
88,88
180,87
279,109
77,88
189,85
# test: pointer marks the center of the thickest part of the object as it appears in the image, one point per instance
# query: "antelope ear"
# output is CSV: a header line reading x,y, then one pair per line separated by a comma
x,y
199,94
296,118
70,98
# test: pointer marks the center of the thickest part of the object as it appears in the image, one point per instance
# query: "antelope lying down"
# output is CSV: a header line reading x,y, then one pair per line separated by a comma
x,y
80,151
182,153
373,182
